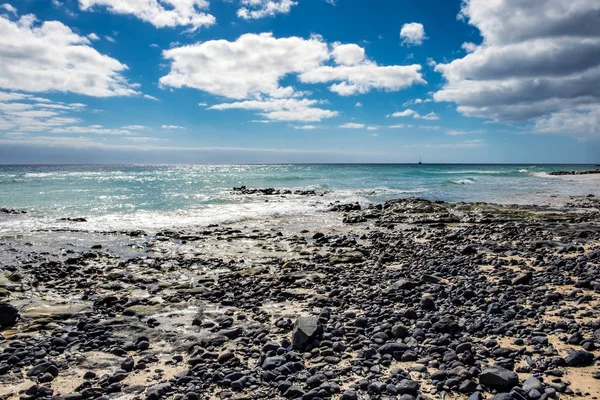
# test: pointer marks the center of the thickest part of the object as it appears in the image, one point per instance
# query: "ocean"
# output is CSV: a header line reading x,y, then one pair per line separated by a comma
x,y
155,197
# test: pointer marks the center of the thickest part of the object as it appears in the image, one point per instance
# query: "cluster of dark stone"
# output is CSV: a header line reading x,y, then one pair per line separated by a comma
x,y
11,211
36,358
559,173
276,192
75,219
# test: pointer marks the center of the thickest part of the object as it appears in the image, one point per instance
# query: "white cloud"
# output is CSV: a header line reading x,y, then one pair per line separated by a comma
x,y
250,66
255,9
20,112
372,128
282,109
93,36
352,125
400,126
160,13
539,61
306,127
254,64
110,39
51,57
358,104
416,101
469,47
172,127
362,78
301,114
406,113
267,105
147,96
412,113
202,104
413,34
9,8
348,54
10,96
582,121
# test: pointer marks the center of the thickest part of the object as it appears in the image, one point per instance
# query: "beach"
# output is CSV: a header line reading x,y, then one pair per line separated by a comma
x,y
409,298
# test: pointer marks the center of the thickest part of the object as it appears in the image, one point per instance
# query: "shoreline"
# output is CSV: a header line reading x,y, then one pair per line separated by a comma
x,y
409,297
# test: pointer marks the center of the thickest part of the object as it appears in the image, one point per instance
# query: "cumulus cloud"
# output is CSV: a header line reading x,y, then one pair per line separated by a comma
x,y
255,9
348,54
361,78
412,34
50,57
282,109
254,64
353,125
539,61
412,113
406,113
250,66
160,13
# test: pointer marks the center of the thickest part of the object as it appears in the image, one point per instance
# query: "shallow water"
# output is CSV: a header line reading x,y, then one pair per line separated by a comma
x,y
154,197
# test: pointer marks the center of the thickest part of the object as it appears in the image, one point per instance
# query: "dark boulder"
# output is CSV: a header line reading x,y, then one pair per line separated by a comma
x,y
8,315
306,329
499,378
579,358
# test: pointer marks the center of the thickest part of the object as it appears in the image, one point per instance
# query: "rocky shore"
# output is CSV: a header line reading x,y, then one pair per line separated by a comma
x,y
411,299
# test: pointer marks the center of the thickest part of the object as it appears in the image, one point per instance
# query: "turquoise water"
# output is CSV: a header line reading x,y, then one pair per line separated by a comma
x,y
155,196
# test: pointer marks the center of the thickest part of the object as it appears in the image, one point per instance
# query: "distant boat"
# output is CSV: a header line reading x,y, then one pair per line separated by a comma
x,y
420,162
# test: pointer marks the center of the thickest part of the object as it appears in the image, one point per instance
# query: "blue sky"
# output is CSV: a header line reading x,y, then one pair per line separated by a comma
x,y
234,81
